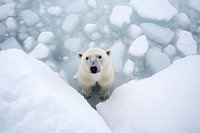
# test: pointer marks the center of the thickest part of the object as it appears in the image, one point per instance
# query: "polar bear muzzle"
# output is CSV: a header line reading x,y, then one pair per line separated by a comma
x,y
94,65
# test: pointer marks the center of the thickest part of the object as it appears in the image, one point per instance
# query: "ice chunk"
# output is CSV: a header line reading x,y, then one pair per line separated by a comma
x,y
92,3
182,19
55,11
41,51
2,29
139,47
157,33
29,44
46,37
117,56
195,4
77,7
156,60
170,50
70,23
120,15
30,17
10,43
167,102
73,44
33,98
160,10
134,31
90,28
7,10
185,43
11,24
128,68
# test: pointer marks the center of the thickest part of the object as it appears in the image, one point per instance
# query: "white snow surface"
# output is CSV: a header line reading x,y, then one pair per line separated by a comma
x,y
120,15
34,99
7,10
186,43
195,4
157,33
167,102
160,10
139,47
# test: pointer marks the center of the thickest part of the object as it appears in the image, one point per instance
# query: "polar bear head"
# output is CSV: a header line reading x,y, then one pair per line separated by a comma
x,y
94,60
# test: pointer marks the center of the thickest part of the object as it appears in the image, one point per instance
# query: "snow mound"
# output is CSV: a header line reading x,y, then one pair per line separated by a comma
x,y
167,102
34,99
46,37
160,10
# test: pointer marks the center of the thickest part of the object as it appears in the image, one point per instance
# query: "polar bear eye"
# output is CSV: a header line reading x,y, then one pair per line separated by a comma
x,y
87,58
99,56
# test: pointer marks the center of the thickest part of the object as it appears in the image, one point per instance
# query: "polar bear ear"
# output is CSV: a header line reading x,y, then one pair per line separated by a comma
x,y
80,55
108,52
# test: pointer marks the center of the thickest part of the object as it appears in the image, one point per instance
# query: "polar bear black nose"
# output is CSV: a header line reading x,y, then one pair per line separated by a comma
x,y
93,69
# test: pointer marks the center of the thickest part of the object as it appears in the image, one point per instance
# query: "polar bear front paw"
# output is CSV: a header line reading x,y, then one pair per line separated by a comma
x,y
87,95
103,96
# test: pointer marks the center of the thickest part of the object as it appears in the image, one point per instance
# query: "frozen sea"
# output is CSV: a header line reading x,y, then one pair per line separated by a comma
x,y
155,47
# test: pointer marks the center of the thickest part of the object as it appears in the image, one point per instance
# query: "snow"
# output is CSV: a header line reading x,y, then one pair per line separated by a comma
x,y
7,10
195,4
34,99
30,17
55,11
92,3
70,23
11,24
29,44
185,43
139,47
90,28
164,103
160,10
145,37
40,52
157,33
156,60
134,31
77,7
182,19
46,37
170,50
128,67
117,54
120,15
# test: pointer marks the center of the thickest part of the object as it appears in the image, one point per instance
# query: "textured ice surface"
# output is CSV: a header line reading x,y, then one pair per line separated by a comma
x,y
34,99
167,102
154,9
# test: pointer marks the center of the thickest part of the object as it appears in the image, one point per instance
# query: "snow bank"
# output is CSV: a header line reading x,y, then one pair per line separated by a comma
x,y
167,102
35,99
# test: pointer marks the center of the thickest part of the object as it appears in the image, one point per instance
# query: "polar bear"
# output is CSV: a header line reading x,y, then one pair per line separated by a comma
x,y
95,68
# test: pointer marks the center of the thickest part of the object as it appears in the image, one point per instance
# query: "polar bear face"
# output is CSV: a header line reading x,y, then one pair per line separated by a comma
x,y
94,60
